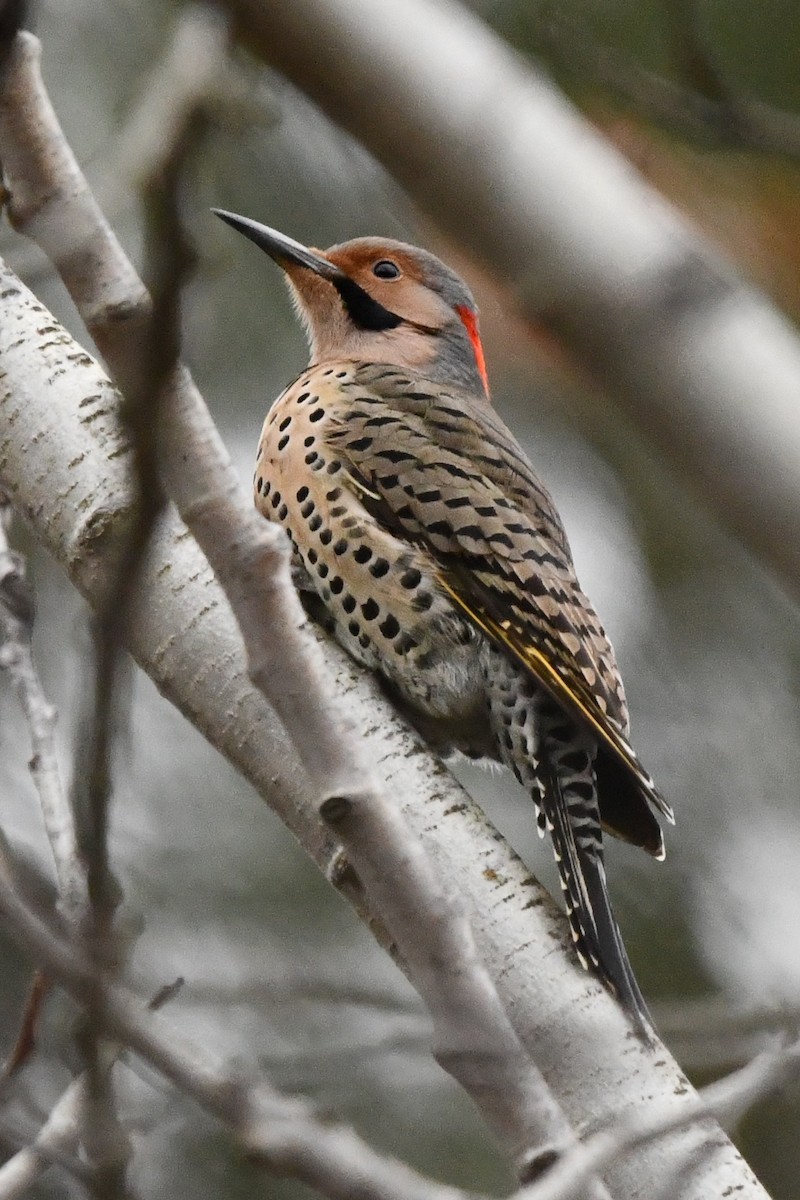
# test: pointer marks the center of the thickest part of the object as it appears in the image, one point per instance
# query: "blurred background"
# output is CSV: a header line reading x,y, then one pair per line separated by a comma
x,y
277,968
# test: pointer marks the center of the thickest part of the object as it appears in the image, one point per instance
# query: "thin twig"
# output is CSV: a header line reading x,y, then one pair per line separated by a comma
x,y
16,657
26,1037
59,1136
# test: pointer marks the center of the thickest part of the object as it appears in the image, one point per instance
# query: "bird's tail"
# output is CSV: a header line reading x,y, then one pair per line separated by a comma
x,y
570,806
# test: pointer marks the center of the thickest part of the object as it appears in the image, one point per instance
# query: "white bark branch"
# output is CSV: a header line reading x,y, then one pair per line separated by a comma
x,y
705,367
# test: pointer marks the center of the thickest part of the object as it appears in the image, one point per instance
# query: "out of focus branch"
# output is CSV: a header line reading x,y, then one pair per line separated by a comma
x,y
16,657
709,1034
703,364
704,107
59,1135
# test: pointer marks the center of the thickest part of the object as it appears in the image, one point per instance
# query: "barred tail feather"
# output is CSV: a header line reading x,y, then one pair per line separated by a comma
x,y
576,841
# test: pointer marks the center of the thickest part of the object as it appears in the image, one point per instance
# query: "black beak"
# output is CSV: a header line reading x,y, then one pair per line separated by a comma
x,y
278,246
365,312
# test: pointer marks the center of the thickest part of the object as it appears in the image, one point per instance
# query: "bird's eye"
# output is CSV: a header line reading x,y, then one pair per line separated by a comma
x,y
386,269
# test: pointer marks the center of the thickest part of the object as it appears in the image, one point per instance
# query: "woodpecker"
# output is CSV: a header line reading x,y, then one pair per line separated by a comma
x,y
427,545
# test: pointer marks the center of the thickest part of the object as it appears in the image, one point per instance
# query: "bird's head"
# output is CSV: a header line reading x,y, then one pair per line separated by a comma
x,y
379,300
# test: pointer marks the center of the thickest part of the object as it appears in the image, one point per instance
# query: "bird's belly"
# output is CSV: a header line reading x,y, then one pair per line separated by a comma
x,y
380,593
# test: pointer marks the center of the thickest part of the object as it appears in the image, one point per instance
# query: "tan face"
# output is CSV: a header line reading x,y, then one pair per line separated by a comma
x,y
396,285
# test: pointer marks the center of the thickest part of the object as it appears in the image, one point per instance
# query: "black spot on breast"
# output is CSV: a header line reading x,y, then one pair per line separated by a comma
x,y
309,441
354,628
282,512
322,570
276,499
338,510
340,547
422,601
390,627
349,603
411,578
317,414
259,484
337,584
312,556
333,467
363,554
311,457
301,494
314,523
379,568
370,609
267,487
326,537
307,509
333,495
285,423
284,442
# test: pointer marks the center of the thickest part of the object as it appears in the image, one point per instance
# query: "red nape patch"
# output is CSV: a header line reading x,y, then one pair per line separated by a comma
x,y
470,322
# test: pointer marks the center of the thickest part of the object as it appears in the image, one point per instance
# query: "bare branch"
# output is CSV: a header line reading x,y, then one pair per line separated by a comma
x,y
60,1134
16,657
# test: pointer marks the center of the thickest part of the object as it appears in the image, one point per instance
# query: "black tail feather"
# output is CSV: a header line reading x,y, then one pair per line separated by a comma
x,y
578,850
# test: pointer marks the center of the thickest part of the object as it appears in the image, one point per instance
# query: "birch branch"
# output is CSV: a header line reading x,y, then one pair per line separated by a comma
x,y
60,453
702,364
249,558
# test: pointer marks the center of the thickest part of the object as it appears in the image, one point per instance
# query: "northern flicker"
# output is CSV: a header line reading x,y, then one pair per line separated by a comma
x,y
428,546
